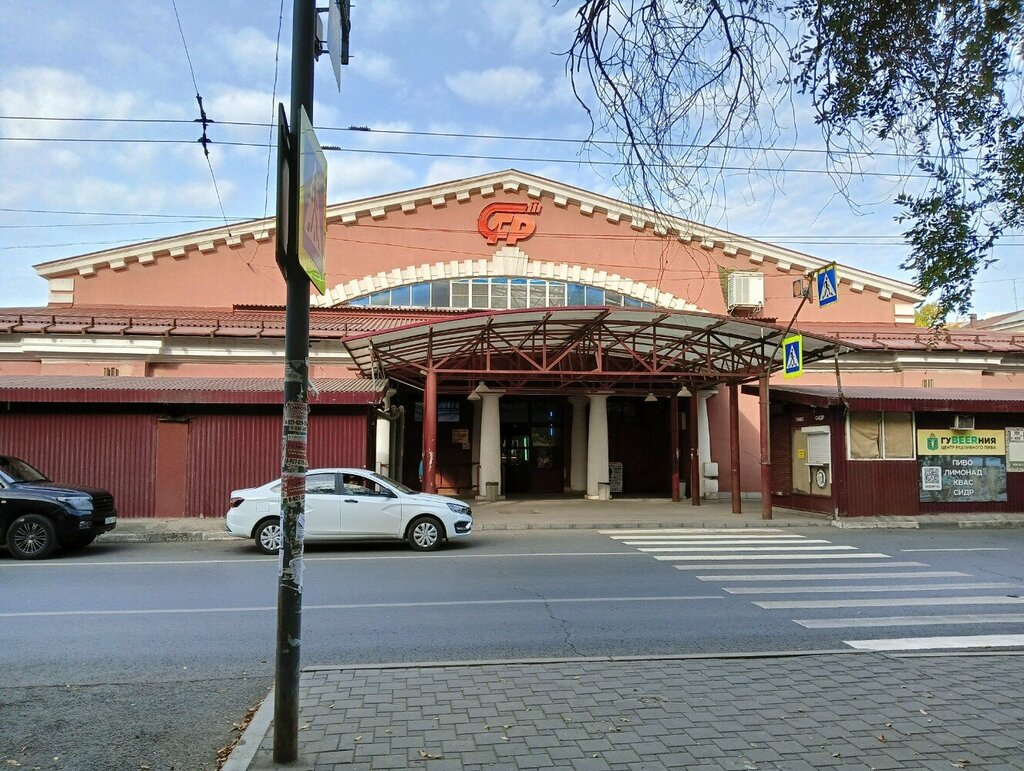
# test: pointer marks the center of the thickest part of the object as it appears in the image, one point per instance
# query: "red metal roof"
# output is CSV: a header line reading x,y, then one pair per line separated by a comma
x,y
904,337
578,348
242,321
898,399
178,390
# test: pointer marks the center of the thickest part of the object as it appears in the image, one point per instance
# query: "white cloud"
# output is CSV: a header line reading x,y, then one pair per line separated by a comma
x,y
531,27
250,51
376,67
240,104
443,171
355,177
507,88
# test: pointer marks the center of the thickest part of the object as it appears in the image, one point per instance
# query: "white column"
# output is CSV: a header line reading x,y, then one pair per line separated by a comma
x,y
578,448
490,442
382,452
704,441
597,444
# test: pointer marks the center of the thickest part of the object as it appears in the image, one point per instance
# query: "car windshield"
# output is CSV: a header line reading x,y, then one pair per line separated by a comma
x,y
20,471
398,485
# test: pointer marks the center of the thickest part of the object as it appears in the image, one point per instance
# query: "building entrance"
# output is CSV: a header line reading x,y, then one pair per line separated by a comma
x,y
533,446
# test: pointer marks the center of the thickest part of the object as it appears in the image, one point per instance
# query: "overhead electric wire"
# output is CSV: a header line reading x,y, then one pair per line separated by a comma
x,y
205,142
503,137
477,157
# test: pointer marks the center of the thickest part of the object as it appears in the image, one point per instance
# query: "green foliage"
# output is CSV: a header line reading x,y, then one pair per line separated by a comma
x,y
937,80
927,315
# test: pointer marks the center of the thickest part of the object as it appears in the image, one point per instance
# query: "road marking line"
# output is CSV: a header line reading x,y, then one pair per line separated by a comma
x,y
774,544
690,537
734,549
696,530
835,576
976,618
806,566
730,556
891,602
358,606
86,563
978,549
925,643
864,588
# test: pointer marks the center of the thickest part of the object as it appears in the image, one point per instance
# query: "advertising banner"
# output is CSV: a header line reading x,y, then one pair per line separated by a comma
x,y
938,441
966,479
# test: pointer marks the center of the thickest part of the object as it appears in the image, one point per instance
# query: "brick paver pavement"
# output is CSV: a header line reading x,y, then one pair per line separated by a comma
x,y
823,711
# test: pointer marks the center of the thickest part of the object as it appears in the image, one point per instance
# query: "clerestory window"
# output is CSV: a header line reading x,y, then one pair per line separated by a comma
x,y
496,293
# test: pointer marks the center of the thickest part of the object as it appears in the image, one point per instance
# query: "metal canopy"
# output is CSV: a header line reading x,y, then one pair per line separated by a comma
x,y
578,350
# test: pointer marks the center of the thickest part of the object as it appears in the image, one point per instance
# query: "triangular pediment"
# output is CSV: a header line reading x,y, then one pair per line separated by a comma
x,y
510,181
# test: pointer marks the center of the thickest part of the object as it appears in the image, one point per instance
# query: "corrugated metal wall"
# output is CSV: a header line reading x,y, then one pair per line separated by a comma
x,y
228,452
114,451
881,487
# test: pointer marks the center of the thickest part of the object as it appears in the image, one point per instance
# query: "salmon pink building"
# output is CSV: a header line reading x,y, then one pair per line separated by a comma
x,y
520,337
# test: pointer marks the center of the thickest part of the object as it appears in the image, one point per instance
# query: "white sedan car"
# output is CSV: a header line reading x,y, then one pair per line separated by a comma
x,y
348,503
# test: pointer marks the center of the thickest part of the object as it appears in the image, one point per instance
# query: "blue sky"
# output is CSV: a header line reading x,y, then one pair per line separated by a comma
x,y
418,69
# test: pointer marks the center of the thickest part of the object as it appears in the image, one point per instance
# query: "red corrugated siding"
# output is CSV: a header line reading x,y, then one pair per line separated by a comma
x,y
881,487
228,452
115,452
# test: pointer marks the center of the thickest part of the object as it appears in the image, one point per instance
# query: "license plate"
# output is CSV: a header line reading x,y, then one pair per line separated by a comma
x,y
110,520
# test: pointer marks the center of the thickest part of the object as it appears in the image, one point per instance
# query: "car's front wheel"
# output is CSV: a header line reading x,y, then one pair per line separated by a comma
x,y
31,537
425,534
268,536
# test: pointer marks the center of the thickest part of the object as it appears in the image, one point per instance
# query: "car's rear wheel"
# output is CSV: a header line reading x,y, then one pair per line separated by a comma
x,y
425,534
268,536
31,537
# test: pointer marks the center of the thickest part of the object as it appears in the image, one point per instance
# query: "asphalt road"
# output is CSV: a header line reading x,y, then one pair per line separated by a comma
x,y
134,656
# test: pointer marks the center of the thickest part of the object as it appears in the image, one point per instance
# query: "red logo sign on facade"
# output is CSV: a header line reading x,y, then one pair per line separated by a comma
x,y
508,222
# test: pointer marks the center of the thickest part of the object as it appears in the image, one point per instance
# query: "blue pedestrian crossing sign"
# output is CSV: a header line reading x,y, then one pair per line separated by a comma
x,y
793,356
827,286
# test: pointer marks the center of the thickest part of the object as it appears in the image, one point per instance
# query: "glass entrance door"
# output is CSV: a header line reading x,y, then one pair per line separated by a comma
x,y
531,446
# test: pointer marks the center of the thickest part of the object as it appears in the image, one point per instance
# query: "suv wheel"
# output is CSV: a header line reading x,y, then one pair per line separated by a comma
x,y
425,534
31,537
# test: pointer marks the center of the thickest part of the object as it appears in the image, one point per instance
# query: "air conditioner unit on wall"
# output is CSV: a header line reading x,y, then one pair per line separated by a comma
x,y
745,290
963,422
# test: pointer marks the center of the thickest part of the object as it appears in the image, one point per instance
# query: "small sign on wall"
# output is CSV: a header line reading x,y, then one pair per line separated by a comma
x,y
1015,449
615,476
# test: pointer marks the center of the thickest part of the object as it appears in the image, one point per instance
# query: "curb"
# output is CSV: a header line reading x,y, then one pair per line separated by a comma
x,y
252,737
971,524
203,535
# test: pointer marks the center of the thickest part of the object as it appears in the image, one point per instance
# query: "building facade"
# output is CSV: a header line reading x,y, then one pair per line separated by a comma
x,y
517,335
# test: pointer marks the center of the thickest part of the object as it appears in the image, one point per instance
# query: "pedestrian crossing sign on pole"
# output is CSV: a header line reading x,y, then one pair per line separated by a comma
x,y
827,286
793,356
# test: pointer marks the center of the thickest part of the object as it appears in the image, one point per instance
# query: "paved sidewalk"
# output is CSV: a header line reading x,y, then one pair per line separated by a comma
x,y
572,513
831,710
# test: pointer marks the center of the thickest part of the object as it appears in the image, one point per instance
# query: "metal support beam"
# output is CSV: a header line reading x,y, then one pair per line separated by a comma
x,y
766,464
694,449
734,447
430,433
673,403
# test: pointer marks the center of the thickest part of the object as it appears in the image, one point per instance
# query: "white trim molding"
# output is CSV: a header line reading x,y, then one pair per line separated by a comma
x,y
506,261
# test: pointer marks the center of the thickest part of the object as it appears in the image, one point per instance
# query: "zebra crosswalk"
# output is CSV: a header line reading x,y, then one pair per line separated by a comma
x,y
771,568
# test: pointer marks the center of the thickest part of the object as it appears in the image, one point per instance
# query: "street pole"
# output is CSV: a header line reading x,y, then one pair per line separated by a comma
x,y
294,433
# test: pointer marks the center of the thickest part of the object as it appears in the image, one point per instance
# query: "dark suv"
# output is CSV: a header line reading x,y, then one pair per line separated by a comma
x,y
37,515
